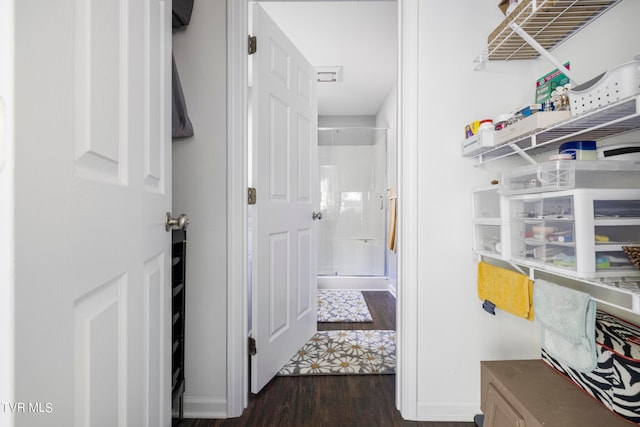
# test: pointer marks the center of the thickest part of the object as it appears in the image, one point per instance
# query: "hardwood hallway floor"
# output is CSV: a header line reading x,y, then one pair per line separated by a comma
x,y
336,401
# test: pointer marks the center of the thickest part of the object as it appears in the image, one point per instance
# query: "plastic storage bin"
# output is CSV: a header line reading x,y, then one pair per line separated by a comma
x,y
490,236
559,175
578,232
618,83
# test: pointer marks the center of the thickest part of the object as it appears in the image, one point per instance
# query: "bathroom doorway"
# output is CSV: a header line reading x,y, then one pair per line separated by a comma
x,y
353,45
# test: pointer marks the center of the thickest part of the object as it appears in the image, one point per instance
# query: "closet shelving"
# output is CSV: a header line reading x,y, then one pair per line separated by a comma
x,y
497,219
548,22
530,31
613,119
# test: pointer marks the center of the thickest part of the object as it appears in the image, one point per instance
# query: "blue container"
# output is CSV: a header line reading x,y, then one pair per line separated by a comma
x,y
580,150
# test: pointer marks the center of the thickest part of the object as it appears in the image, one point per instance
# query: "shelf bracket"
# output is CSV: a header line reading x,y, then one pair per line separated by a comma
x,y
542,51
523,154
520,270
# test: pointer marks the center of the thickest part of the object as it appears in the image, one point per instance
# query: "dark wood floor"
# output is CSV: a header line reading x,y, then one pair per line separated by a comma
x,y
337,401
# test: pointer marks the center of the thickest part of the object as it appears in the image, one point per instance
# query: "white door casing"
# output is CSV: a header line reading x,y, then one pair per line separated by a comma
x,y
93,182
6,209
286,176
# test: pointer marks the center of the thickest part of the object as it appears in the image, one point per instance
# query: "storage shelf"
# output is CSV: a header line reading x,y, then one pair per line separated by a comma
x,y
613,119
487,221
582,259
617,281
549,22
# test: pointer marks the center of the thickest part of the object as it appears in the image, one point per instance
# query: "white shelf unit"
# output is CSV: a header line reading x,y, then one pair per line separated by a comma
x,y
614,119
490,229
557,231
534,228
530,31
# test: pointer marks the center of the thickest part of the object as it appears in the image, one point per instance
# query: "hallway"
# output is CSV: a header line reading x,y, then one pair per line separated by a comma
x,y
338,401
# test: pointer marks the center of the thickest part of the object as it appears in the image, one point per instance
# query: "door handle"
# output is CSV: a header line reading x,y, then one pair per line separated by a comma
x,y
179,223
316,215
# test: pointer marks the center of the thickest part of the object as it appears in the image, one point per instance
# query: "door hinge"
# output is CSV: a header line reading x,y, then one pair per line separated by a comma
x,y
252,347
252,196
253,44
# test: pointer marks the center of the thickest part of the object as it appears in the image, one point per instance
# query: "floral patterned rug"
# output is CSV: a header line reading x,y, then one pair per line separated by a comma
x,y
342,306
354,352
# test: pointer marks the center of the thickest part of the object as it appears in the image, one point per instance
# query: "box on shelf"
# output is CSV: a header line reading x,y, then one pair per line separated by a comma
x,y
531,124
559,175
476,144
546,84
625,151
504,5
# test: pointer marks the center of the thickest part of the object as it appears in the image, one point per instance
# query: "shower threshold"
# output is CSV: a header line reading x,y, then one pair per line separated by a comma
x,y
361,283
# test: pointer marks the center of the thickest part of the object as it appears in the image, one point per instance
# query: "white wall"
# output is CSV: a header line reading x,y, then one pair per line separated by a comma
x,y
7,278
199,189
454,334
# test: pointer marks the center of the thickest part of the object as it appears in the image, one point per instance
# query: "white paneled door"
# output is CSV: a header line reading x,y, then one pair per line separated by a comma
x,y
93,184
286,176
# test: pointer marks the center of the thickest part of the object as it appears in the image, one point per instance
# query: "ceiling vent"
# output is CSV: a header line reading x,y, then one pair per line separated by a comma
x,y
329,74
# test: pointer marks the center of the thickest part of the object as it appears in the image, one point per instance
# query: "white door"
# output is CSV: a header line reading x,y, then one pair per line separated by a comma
x,y
93,183
285,174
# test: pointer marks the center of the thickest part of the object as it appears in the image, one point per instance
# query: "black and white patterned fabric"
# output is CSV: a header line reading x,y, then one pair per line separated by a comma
x,y
616,380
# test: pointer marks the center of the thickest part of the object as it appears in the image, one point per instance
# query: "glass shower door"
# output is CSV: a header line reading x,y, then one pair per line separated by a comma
x,y
353,202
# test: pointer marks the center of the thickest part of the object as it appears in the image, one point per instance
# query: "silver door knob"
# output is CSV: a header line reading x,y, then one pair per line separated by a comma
x,y
316,215
179,223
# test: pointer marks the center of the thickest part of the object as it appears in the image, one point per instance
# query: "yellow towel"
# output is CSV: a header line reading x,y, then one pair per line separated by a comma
x,y
391,229
508,290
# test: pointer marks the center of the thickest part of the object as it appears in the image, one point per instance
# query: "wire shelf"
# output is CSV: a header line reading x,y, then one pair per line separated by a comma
x,y
549,22
614,119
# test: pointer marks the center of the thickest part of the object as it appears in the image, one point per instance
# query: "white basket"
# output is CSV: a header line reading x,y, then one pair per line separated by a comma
x,y
618,83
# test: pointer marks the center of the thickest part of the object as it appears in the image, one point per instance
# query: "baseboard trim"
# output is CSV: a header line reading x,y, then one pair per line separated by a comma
x,y
392,289
448,411
204,407
353,283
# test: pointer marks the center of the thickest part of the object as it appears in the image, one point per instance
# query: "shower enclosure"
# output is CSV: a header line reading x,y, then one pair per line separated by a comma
x,y
353,201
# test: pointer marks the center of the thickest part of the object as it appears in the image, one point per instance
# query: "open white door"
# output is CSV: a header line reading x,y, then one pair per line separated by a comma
x,y
285,174
93,184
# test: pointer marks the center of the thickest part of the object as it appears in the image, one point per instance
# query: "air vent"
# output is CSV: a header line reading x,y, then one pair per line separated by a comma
x,y
329,74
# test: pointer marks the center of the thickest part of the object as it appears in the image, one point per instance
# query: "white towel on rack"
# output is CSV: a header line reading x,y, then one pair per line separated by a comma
x,y
568,319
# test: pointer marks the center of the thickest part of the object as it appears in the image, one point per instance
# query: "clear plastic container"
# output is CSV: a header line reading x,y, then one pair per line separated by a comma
x,y
559,175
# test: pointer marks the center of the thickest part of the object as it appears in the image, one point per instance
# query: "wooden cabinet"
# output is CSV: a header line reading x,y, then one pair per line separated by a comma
x,y
178,257
529,393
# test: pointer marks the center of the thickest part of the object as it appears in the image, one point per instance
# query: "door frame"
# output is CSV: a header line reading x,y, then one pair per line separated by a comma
x,y
7,194
237,159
